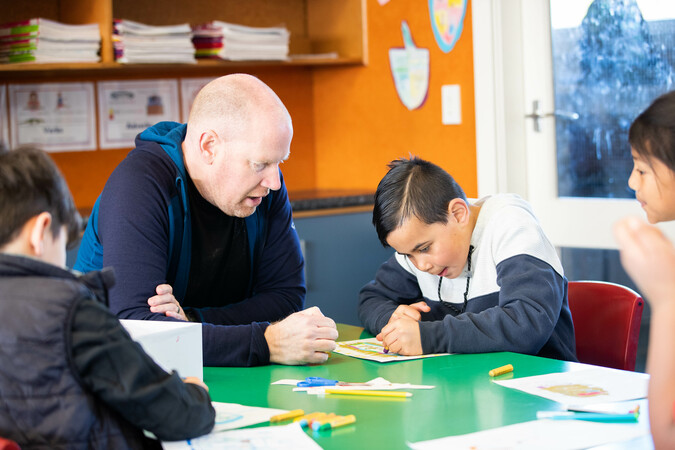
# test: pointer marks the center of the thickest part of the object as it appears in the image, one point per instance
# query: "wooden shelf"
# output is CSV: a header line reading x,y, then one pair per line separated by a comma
x,y
36,71
315,26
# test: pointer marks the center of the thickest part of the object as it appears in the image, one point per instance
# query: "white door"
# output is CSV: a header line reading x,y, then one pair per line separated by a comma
x,y
581,70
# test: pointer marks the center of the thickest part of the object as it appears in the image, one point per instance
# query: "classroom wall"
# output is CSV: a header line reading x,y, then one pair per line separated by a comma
x,y
360,123
348,120
87,172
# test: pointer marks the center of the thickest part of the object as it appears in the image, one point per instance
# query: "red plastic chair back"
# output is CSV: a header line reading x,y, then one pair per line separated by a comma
x,y
606,320
7,444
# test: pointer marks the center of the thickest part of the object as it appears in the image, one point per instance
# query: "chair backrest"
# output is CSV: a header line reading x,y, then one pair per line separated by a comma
x,y
606,320
8,444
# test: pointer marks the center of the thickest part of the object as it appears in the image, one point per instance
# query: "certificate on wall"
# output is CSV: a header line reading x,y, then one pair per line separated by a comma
x,y
4,123
189,87
53,116
126,108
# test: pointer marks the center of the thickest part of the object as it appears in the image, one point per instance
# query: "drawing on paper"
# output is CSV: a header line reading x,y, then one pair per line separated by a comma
x,y
373,350
224,417
576,390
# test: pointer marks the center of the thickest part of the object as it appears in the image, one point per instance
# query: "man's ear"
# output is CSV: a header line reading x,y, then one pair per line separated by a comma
x,y
458,211
207,146
38,226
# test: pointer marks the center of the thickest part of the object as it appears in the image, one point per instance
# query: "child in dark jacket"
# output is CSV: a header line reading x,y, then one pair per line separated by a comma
x,y
465,278
70,375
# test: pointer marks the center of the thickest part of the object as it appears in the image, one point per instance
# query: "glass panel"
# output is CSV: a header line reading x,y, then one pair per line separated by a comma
x,y
611,58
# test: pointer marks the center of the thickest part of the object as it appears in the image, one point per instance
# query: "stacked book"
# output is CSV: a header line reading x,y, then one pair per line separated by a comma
x,y
239,43
208,40
46,41
140,43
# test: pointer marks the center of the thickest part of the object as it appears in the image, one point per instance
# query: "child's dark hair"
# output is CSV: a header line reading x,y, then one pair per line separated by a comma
x,y
30,184
413,187
652,133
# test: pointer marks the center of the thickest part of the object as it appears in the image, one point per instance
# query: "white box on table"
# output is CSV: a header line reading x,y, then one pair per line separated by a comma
x,y
173,345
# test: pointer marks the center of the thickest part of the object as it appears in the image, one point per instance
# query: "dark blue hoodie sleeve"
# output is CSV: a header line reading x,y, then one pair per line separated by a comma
x,y
278,279
526,318
392,286
133,227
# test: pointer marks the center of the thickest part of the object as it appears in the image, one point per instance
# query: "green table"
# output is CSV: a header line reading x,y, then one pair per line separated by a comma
x,y
463,401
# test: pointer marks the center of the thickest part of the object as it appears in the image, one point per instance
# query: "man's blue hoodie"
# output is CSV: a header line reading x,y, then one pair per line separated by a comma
x,y
141,226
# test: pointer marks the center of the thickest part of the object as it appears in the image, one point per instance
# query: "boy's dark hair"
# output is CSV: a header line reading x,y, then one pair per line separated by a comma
x,y
413,187
30,184
652,133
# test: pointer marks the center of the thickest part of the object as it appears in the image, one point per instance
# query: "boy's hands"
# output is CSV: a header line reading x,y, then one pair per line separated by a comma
x,y
402,336
412,311
165,303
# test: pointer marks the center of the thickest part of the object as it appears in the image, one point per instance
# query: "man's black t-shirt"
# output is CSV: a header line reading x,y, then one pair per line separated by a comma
x,y
220,264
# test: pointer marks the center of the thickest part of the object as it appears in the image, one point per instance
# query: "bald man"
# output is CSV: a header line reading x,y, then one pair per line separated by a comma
x,y
197,224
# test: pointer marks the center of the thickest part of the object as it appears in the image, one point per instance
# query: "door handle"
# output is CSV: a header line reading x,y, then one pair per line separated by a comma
x,y
536,116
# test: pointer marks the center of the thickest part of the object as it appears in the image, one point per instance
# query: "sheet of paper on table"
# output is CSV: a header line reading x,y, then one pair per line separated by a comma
x,y
584,387
373,350
539,434
279,437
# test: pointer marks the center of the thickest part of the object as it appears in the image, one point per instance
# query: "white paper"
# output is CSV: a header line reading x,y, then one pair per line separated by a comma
x,y
378,383
584,387
189,88
373,350
232,415
173,345
126,108
540,434
291,437
53,116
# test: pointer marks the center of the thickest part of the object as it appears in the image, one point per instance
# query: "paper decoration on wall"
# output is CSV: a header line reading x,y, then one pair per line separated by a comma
x,y
53,116
410,69
447,21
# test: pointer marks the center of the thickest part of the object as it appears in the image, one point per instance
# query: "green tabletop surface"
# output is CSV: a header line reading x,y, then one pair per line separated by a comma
x,y
464,400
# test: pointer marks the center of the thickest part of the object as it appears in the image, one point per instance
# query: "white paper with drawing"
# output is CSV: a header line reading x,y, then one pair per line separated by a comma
x,y
373,350
584,387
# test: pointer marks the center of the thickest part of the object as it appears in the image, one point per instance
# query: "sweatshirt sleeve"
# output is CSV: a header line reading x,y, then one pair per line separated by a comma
x,y
278,278
530,299
392,286
118,372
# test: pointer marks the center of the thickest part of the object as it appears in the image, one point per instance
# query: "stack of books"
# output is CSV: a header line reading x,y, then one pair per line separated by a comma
x,y
240,43
46,41
208,40
140,43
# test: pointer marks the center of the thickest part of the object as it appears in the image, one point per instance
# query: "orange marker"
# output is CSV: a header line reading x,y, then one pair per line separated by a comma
x,y
501,370
287,415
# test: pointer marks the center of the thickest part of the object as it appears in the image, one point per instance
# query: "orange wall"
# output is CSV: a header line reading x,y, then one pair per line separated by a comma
x,y
348,121
360,123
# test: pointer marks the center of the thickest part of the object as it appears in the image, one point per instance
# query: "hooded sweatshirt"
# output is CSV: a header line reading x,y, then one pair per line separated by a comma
x,y
141,225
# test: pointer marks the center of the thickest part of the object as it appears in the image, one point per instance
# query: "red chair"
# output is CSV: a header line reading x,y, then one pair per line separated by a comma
x,y
7,444
606,320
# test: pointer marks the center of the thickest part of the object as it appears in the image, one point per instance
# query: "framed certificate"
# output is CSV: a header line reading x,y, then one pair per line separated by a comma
x,y
189,87
53,116
126,108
